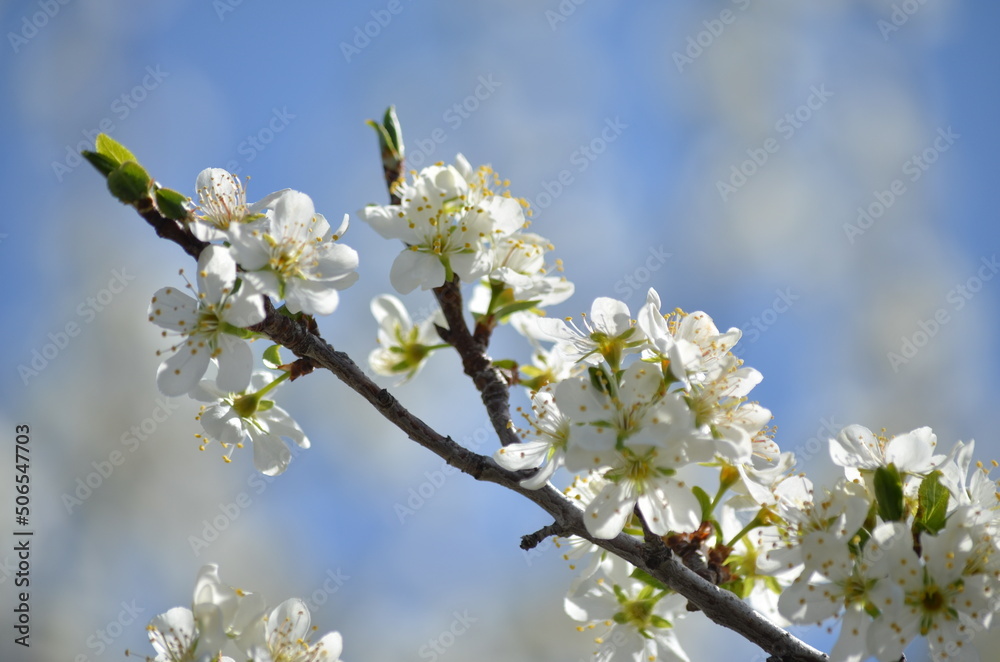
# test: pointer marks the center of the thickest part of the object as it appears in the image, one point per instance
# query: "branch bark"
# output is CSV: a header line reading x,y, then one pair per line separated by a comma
x,y
721,606
476,362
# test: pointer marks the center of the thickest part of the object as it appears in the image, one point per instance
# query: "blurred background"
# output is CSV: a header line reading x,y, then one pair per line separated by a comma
x,y
818,174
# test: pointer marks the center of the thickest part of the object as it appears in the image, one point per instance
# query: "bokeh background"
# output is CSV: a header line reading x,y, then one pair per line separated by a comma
x,y
645,111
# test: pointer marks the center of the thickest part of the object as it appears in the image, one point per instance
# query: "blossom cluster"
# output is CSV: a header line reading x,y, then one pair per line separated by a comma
x,y
278,247
634,406
903,545
457,222
646,418
680,402
643,411
225,619
647,409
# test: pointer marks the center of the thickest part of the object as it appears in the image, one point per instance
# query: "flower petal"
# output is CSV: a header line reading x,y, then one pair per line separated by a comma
x,y
235,363
412,268
216,273
181,372
173,310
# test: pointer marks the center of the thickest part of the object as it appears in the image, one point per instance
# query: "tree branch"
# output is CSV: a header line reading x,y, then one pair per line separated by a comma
x,y
167,228
721,606
476,362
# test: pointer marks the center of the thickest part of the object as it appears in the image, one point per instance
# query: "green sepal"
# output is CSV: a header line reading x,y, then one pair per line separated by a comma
x,y
889,493
648,579
741,588
599,379
289,314
515,307
238,331
772,584
104,164
704,501
171,204
272,357
505,364
114,150
858,541
390,137
129,182
659,622
265,405
932,508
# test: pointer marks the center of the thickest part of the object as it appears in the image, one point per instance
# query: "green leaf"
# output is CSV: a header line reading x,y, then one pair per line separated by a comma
x,y
648,579
393,131
390,138
238,331
289,314
172,204
660,622
104,164
889,493
272,357
129,182
111,148
704,501
932,506
506,364
741,587
599,379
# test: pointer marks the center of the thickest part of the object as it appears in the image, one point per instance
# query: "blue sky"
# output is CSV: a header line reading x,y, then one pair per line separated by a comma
x,y
592,111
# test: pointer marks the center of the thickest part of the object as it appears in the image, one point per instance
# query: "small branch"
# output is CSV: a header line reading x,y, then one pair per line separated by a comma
x,y
476,362
532,540
169,229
